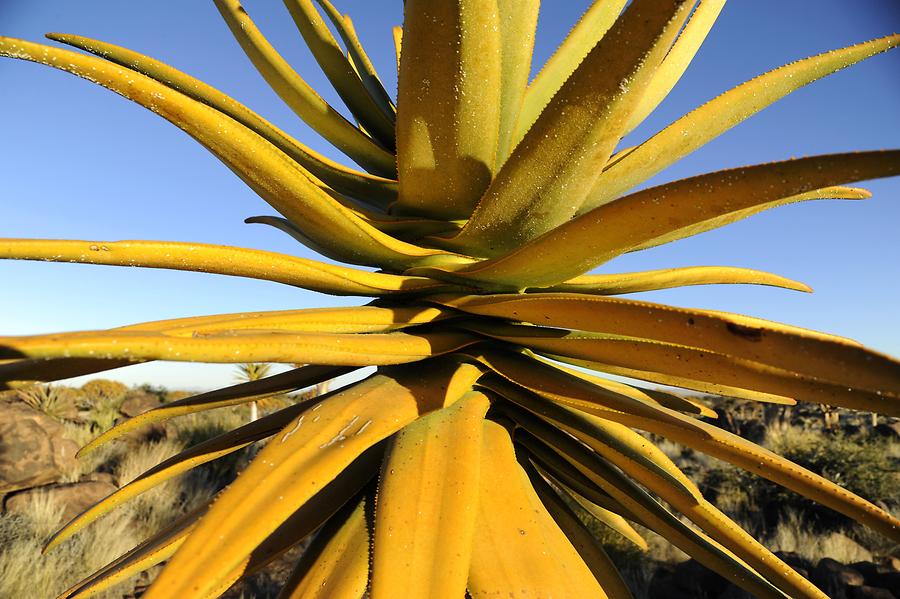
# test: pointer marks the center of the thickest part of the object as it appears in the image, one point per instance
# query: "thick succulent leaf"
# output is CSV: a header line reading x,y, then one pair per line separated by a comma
x,y
397,35
219,398
651,514
600,235
231,348
724,112
824,357
686,364
609,518
587,546
518,22
448,113
402,228
150,552
826,193
514,534
697,509
309,453
361,62
632,453
226,260
427,498
336,564
548,174
581,395
370,188
52,370
341,72
652,280
279,180
301,98
310,516
589,30
677,60
663,398
206,451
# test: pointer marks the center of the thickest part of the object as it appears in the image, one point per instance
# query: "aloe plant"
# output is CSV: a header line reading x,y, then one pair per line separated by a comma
x,y
465,461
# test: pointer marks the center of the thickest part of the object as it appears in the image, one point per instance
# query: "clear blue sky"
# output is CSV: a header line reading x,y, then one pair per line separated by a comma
x,y
80,162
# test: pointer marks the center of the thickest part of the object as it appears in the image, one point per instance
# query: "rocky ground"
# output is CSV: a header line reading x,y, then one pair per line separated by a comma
x,y
42,485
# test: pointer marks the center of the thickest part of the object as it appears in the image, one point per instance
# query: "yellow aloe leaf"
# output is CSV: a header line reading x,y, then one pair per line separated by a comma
x,y
226,260
677,60
688,364
652,280
207,451
219,398
610,230
610,519
824,357
518,22
283,183
721,114
447,123
341,178
590,550
581,395
150,552
543,182
427,498
567,476
291,348
589,30
397,34
651,514
402,228
340,72
563,475
826,193
633,453
514,534
54,370
663,398
361,62
336,564
312,515
671,380
293,466
300,97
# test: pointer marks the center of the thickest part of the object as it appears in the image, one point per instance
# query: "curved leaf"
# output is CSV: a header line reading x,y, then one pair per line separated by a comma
x,y
652,280
340,72
589,30
425,514
360,185
721,114
216,259
677,60
642,218
824,357
336,563
588,547
448,111
300,97
553,168
514,534
219,398
312,451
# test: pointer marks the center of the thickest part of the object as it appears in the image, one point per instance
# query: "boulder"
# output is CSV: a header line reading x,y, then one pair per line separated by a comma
x,y
867,592
138,403
686,579
33,448
73,497
889,429
834,578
